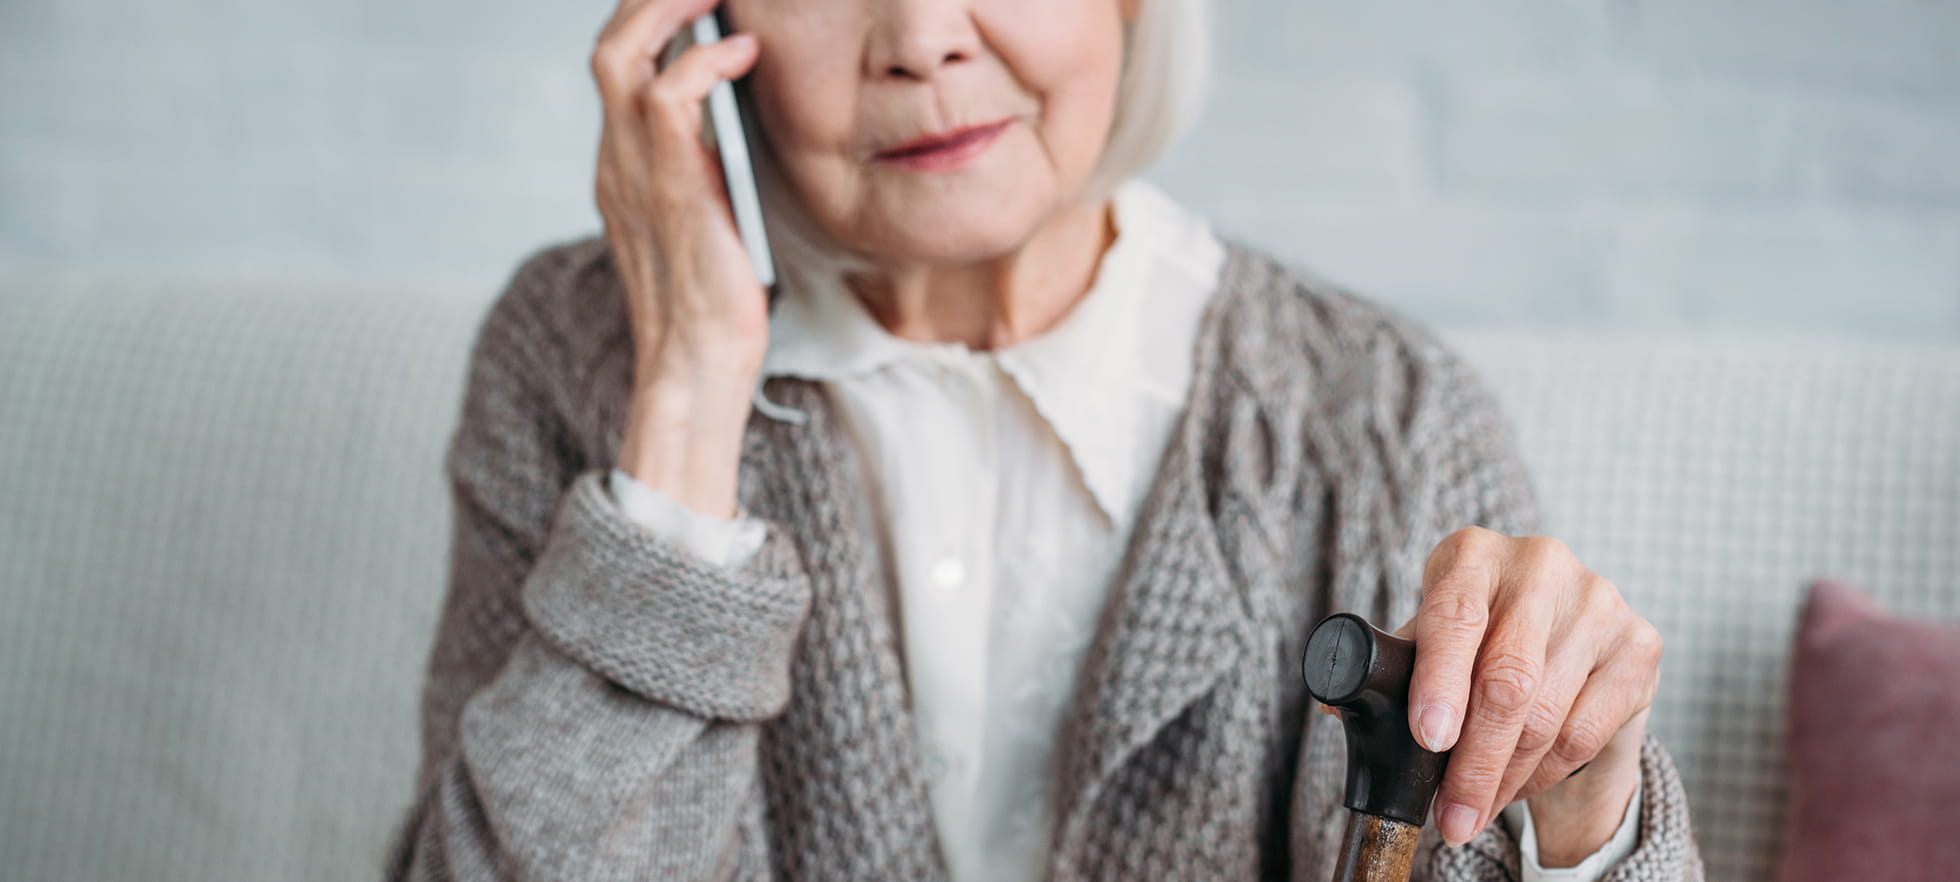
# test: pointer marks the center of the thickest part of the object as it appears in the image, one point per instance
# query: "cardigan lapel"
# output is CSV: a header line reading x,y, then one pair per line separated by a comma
x,y
847,731
1175,622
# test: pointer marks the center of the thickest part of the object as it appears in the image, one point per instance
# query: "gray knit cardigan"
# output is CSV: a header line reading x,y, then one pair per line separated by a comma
x,y
602,705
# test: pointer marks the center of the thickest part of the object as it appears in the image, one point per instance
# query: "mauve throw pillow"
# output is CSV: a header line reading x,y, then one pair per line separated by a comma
x,y
1874,744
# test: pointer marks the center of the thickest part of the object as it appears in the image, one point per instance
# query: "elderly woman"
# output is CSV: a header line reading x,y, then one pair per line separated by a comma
x,y
989,552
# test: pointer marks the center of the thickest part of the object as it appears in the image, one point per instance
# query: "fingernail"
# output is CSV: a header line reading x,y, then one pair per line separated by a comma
x,y
1436,719
1457,823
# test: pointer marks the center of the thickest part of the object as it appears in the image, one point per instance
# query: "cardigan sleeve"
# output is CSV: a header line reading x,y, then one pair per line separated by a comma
x,y
1463,454
595,692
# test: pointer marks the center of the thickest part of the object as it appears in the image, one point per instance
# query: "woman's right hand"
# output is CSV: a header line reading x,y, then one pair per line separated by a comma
x,y
700,319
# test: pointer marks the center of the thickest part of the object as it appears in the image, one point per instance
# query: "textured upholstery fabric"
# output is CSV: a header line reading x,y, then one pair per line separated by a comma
x,y
221,510
1874,757
207,491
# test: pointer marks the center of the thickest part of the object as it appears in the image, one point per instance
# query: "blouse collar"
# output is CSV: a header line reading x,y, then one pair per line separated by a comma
x,y
1106,377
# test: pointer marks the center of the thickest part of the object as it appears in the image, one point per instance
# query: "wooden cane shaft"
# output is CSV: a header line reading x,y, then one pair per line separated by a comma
x,y
1376,849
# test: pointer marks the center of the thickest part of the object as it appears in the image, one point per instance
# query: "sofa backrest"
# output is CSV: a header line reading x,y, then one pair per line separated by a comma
x,y
222,541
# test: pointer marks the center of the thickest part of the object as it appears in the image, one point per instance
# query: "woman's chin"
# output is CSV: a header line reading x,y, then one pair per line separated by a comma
x,y
945,241
948,255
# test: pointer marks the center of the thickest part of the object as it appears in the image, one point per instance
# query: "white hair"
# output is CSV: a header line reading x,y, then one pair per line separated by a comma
x,y
1166,71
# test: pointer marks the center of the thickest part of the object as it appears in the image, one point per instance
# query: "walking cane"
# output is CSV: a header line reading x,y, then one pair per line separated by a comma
x,y
1364,673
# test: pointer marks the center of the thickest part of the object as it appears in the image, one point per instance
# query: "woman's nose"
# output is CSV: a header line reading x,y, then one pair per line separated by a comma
x,y
913,39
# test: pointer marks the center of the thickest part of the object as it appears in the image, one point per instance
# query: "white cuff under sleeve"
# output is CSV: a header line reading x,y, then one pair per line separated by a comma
x,y
728,542
1518,816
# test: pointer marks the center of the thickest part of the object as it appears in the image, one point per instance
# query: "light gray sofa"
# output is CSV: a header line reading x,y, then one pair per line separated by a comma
x,y
223,527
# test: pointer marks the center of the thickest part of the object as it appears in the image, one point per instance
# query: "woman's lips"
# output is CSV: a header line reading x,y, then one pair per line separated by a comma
x,y
946,153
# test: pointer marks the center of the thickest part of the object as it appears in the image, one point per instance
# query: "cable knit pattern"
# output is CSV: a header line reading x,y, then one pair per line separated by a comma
x,y
601,705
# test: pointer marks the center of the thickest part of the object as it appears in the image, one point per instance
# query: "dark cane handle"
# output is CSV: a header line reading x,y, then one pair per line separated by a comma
x,y
1364,673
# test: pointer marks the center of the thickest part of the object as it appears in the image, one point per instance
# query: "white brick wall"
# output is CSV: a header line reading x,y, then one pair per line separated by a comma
x,y
1652,164
1649,164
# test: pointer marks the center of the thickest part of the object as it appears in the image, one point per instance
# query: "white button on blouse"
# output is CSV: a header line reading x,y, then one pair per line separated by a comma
x,y
948,573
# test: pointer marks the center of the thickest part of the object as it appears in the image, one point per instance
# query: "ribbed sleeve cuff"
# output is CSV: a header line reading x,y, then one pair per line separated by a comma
x,y
652,617
1664,852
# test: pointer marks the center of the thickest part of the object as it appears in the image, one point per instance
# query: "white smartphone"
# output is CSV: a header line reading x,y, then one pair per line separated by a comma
x,y
731,141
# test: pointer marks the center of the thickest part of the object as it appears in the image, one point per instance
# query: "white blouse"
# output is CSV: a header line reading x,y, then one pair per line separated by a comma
x,y
1006,481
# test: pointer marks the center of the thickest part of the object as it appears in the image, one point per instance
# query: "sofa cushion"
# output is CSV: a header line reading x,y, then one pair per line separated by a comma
x,y
1875,761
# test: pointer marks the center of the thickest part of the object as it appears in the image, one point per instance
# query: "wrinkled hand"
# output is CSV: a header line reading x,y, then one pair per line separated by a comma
x,y
693,299
1528,666
698,316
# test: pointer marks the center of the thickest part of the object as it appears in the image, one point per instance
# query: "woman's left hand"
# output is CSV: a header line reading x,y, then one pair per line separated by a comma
x,y
1551,670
